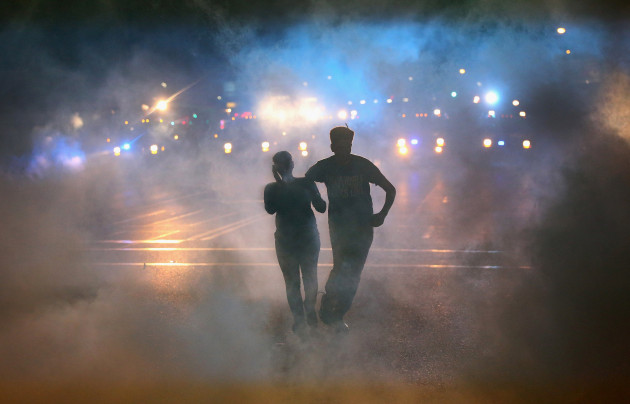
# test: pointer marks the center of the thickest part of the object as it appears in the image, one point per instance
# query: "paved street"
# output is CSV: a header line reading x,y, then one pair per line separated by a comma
x,y
433,268
155,272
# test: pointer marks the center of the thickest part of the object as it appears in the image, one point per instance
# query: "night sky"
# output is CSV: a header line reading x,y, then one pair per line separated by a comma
x,y
54,54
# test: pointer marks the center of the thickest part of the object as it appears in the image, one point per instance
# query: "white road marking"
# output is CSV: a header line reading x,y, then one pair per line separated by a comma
x,y
275,264
176,198
142,241
157,212
213,218
165,234
227,228
407,250
233,228
170,219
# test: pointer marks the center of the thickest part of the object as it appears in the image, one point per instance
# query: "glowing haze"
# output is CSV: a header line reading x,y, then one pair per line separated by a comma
x,y
64,319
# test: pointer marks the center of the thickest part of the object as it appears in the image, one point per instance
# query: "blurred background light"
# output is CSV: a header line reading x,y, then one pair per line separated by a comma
x,y
491,97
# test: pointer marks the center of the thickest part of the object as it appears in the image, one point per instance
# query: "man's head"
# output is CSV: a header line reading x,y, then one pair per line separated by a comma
x,y
283,162
341,140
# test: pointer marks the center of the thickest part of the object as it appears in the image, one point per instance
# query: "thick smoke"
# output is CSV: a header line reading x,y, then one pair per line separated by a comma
x,y
555,313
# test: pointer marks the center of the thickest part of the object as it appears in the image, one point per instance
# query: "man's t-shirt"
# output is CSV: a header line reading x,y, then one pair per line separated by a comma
x,y
348,186
292,204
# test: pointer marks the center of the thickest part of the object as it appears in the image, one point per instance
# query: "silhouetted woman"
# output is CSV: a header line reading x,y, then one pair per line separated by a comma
x,y
297,238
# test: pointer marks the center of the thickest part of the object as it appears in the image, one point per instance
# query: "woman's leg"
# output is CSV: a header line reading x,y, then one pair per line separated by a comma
x,y
289,265
308,264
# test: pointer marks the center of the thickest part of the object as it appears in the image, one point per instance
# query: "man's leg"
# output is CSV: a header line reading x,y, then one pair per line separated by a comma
x,y
350,250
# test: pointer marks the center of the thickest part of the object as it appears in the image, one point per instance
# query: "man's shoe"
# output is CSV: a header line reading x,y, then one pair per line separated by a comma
x,y
324,316
340,327
325,311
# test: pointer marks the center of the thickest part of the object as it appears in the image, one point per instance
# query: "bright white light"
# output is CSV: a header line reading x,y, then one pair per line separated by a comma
x,y
439,141
516,103
410,78
401,142
228,148
126,146
265,146
403,150
454,94
492,114
154,149
492,97
527,144
161,105
74,162
303,146
362,102
405,99
476,99
501,143
487,143
375,101
304,153
523,114
310,110
353,113
437,112
462,71
287,111
343,114
77,121
414,141
438,149
389,100
116,151
561,30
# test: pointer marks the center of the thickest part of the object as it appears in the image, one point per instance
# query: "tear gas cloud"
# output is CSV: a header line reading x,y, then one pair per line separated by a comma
x,y
64,318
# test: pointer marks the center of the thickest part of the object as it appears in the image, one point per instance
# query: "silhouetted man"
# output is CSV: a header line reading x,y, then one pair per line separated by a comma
x,y
350,218
297,238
